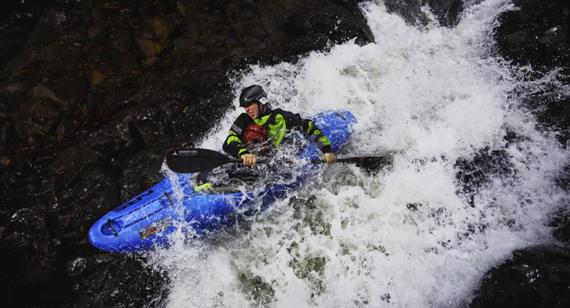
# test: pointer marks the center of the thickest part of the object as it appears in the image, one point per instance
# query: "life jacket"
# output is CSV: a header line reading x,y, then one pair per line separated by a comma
x,y
255,139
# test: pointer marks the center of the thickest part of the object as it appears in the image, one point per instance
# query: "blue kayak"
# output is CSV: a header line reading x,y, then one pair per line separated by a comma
x,y
147,220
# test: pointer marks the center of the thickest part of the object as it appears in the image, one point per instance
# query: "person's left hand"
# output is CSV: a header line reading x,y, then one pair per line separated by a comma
x,y
329,158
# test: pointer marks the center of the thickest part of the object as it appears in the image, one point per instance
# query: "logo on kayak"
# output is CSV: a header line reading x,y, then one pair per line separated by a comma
x,y
155,227
186,152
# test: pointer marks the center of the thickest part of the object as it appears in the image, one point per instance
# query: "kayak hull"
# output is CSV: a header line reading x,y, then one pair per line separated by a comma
x,y
148,220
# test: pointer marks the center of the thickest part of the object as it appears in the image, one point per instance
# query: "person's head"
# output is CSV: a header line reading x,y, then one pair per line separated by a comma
x,y
250,100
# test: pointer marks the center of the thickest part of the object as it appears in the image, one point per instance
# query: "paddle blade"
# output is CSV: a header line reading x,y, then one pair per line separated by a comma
x,y
189,160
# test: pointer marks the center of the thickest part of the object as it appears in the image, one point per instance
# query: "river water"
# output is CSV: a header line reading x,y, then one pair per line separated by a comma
x,y
410,235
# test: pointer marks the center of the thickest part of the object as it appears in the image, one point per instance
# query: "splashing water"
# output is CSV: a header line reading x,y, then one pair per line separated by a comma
x,y
411,235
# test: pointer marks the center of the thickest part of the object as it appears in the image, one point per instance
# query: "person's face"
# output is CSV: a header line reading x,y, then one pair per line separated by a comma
x,y
252,110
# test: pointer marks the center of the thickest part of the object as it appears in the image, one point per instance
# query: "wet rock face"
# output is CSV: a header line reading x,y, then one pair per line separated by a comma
x,y
538,277
537,34
92,93
445,12
86,60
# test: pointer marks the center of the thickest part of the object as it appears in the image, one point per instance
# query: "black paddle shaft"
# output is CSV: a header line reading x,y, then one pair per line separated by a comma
x,y
187,160
190,160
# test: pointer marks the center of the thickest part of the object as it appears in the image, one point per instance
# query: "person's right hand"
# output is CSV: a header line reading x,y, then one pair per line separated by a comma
x,y
248,160
329,158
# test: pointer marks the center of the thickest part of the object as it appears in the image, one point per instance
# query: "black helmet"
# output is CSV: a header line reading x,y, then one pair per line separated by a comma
x,y
251,95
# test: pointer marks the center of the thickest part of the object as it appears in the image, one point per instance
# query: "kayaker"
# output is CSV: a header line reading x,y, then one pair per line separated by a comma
x,y
276,122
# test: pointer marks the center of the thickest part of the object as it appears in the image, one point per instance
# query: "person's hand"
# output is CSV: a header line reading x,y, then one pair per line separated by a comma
x,y
329,158
248,160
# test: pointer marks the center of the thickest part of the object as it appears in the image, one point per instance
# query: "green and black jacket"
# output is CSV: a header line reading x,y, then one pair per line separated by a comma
x,y
277,122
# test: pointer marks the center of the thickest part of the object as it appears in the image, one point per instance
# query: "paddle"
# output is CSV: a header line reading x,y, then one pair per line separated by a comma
x,y
189,160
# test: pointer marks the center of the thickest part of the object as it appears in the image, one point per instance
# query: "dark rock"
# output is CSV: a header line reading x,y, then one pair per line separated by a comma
x,y
10,37
45,246
116,281
535,277
16,19
23,271
563,179
555,116
560,221
537,34
447,12
475,173
69,165
142,171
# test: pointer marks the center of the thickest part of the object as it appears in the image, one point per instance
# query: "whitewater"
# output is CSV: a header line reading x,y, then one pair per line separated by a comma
x,y
409,235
